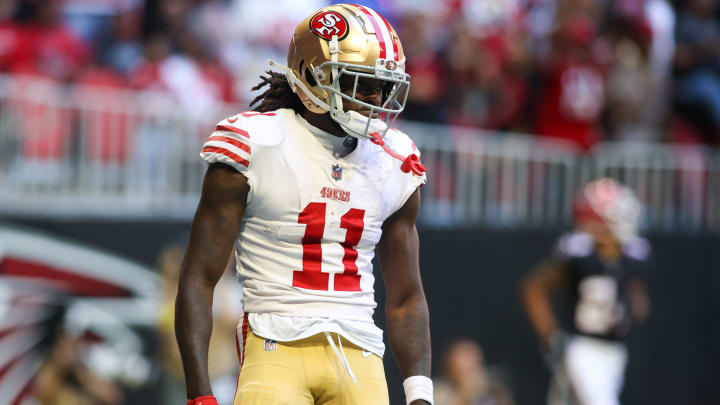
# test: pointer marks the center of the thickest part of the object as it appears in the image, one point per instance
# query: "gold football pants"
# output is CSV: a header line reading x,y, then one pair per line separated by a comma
x,y
306,372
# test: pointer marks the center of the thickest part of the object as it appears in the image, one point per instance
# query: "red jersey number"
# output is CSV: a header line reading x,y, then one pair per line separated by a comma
x,y
311,275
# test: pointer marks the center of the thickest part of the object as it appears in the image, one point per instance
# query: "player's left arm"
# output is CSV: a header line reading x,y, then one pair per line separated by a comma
x,y
408,323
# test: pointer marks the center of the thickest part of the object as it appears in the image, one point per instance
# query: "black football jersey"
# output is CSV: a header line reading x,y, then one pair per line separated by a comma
x,y
596,290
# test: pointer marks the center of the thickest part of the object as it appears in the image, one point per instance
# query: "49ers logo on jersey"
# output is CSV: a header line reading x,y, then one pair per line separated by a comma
x,y
335,194
326,24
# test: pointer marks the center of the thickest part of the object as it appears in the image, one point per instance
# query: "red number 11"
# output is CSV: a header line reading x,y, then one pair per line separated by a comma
x,y
311,275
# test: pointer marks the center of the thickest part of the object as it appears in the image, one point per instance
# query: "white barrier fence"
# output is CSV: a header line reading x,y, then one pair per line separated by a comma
x,y
85,152
506,180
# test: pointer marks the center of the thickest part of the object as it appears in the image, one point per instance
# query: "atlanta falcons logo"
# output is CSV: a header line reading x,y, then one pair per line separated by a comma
x,y
329,23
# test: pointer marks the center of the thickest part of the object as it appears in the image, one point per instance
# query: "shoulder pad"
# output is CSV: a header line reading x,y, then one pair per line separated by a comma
x,y
400,143
264,129
575,244
237,139
637,248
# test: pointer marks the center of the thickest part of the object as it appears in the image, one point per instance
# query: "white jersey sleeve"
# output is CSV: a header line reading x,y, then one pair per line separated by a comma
x,y
240,141
230,143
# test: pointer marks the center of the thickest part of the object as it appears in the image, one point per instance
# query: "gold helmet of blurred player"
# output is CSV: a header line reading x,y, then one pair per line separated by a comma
x,y
606,201
348,42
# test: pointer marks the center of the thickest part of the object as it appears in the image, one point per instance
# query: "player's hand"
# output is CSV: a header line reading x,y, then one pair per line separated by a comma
x,y
554,348
203,400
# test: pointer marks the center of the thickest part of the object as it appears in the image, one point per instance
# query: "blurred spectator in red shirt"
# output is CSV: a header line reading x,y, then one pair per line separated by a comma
x,y
195,79
485,91
42,121
46,47
573,96
426,101
485,58
9,33
147,75
105,121
216,78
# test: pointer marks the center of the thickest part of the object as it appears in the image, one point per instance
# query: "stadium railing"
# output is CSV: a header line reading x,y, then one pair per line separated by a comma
x,y
84,152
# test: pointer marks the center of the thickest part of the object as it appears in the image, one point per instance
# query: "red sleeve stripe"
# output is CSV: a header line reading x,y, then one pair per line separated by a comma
x,y
231,155
232,141
232,129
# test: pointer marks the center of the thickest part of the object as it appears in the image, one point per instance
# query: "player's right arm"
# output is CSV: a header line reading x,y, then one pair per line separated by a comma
x,y
536,290
214,230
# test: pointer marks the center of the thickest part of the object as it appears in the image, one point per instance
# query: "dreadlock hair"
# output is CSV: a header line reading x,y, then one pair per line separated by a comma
x,y
278,95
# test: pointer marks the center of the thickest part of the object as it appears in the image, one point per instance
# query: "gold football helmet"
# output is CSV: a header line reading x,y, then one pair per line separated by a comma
x,y
341,41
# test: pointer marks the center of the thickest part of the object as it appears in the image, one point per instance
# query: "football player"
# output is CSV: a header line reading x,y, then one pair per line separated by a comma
x,y
306,187
600,268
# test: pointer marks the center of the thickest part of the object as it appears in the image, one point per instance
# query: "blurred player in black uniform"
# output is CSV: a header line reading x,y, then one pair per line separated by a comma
x,y
600,267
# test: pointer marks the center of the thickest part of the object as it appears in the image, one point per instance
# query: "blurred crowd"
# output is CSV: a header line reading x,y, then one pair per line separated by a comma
x,y
580,70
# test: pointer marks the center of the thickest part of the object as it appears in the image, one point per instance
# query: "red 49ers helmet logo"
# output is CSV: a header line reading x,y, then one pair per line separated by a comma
x,y
326,24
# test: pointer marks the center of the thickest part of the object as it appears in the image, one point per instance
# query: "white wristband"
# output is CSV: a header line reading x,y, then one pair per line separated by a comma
x,y
418,387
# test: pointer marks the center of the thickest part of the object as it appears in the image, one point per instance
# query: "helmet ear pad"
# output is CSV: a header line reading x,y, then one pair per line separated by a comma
x,y
308,103
307,75
308,79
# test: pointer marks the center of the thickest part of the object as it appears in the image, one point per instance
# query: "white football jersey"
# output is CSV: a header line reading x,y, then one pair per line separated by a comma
x,y
312,219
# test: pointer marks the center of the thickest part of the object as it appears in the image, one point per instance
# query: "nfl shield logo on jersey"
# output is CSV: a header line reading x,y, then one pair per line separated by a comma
x,y
270,345
337,172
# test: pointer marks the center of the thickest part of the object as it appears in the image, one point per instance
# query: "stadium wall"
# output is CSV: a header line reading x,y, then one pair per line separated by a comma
x,y
471,280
